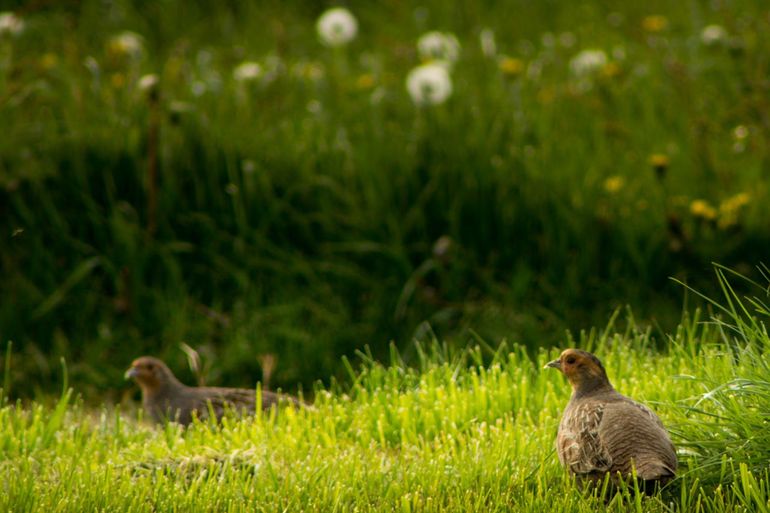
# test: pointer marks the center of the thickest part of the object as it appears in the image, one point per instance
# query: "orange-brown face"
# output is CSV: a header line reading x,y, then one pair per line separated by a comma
x,y
579,367
147,371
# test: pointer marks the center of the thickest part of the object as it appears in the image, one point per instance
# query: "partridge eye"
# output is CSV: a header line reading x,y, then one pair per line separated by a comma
x,y
570,360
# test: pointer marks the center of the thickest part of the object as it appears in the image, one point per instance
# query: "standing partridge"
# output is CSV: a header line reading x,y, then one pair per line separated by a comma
x,y
166,398
603,431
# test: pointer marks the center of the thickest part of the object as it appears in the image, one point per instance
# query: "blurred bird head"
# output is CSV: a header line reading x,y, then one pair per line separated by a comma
x,y
583,370
149,373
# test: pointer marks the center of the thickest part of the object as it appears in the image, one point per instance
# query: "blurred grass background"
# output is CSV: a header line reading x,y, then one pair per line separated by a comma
x,y
316,210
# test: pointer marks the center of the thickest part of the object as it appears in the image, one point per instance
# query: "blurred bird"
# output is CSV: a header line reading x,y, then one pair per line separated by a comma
x,y
603,431
166,398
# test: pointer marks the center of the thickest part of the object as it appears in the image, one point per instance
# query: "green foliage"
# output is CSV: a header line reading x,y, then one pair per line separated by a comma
x,y
315,209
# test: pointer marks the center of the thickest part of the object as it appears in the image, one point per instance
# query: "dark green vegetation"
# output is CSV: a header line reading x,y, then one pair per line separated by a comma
x,y
316,210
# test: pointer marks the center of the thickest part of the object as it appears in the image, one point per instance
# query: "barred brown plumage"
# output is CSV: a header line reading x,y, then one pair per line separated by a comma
x,y
164,397
603,431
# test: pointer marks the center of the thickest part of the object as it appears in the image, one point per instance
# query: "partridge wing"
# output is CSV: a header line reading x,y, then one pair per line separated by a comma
x,y
579,443
218,400
635,438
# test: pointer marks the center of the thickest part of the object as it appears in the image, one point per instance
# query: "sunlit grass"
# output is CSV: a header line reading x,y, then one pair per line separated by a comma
x,y
462,431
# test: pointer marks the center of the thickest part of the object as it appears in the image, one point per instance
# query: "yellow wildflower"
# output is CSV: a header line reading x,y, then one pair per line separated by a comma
x,y
729,208
611,69
655,23
511,66
118,80
546,95
736,202
613,184
658,160
659,163
365,81
48,61
703,209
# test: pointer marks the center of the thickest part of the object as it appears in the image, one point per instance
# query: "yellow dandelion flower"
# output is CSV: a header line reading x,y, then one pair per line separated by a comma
x,y
730,207
365,81
613,184
118,80
511,66
736,202
611,69
659,163
658,160
655,23
48,61
703,209
546,95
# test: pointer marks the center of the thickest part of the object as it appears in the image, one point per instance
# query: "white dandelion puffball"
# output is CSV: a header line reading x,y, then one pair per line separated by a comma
x,y
439,46
247,71
487,41
10,24
588,62
127,43
429,84
148,83
713,34
337,26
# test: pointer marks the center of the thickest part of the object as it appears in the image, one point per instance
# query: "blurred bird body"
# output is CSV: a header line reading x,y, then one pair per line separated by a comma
x,y
603,431
164,397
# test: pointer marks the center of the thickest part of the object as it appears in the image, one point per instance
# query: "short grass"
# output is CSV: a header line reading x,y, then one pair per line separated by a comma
x,y
463,431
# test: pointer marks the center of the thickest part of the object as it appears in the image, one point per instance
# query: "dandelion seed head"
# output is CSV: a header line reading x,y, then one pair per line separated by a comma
x,y
588,62
314,107
247,71
10,24
126,44
337,27
740,132
148,83
198,88
712,35
429,84
487,42
567,39
438,46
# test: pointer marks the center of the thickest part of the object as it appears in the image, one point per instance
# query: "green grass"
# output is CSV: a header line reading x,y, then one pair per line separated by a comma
x,y
298,215
461,431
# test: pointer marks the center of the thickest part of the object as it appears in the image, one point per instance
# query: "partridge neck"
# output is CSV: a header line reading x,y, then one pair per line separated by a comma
x,y
591,386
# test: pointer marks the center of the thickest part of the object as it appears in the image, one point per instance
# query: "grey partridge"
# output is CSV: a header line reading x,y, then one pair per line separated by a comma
x,y
603,431
164,397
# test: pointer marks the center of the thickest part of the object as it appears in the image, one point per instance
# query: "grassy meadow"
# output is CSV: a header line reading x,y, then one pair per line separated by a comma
x,y
460,431
225,178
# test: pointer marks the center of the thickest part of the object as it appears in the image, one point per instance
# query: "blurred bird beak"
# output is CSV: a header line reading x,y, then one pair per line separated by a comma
x,y
130,373
556,364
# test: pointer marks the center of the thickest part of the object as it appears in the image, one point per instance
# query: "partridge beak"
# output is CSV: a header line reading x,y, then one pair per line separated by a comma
x,y
130,373
556,364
